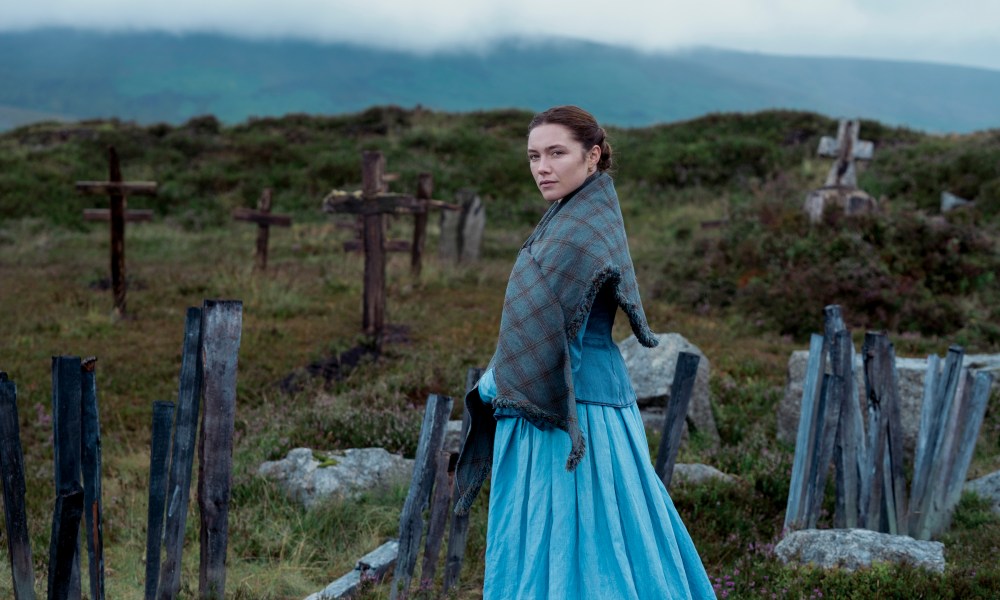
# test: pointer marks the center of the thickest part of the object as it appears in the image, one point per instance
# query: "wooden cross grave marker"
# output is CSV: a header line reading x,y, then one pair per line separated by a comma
x,y
847,149
117,192
373,203
425,188
264,219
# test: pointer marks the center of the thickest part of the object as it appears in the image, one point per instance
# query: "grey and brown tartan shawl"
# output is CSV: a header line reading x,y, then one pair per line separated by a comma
x,y
578,247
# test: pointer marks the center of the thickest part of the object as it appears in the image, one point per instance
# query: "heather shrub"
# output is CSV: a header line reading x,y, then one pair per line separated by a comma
x,y
899,271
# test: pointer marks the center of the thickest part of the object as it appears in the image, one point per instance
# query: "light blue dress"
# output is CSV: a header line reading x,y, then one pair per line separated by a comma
x,y
607,530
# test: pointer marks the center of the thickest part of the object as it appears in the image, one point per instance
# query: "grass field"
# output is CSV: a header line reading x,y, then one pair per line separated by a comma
x,y
307,307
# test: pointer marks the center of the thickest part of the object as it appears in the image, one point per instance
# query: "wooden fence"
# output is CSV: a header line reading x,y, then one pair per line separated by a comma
x,y
211,345
871,485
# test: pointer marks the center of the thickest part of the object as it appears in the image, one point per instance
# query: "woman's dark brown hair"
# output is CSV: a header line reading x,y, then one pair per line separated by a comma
x,y
582,125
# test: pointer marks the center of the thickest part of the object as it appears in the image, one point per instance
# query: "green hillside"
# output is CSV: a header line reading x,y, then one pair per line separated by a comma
x,y
156,77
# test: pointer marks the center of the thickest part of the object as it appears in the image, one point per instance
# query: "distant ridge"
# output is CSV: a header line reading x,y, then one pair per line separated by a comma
x,y
154,77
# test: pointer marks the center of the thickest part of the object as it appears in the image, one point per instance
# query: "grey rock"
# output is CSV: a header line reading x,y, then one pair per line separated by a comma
x,y
911,373
651,371
697,473
987,487
950,202
349,473
851,549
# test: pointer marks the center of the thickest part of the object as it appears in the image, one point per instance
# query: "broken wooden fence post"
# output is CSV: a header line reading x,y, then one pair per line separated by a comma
x,y
371,566
941,421
411,522
159,452
264,220
795,512
66,417
887,503
443,481
15,515
90,457
926,439
849,451
970,420
673,422
836,349
64,549
220,342
182,455
117,191
458,529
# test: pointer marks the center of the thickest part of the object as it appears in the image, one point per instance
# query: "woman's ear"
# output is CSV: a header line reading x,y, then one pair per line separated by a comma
x,y
593,157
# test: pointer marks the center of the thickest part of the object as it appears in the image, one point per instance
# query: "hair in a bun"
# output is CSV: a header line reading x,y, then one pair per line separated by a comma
x,y
582,125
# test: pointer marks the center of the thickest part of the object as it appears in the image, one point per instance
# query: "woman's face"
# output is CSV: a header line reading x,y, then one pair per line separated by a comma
x,y
558,162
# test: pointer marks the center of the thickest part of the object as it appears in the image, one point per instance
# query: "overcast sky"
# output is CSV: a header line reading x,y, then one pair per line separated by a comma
x,y
963,32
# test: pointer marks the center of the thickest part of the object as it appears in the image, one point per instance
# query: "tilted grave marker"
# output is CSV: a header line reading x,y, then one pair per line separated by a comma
x,y
846,149
462,230
264,220
841,185
117,192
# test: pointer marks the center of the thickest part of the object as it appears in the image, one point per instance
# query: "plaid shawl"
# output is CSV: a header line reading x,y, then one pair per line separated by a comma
x,y
578,247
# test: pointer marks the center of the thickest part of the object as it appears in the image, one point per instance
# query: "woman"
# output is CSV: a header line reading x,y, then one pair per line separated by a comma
x,y
576,510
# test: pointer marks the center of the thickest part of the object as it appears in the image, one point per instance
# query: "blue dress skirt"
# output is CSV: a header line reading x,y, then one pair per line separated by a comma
x,y
606,530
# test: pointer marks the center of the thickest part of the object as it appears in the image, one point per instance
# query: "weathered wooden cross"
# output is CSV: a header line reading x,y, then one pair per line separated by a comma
x,y
847,149
264,219
425,187
373,203
117,191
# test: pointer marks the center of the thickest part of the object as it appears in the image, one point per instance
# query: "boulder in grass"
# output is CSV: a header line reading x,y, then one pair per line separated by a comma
x,y
651,371
988,488
852,549
697,473
311,477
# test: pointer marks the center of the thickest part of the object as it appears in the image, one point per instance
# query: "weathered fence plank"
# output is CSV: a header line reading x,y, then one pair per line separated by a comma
x,y
673,423
926,440
969,424
182,455
805,439
443,480
159,452
848,438
458,529
222,322
884,437
90,457
940,444
372,566
64,549
411,522
15,514
67,392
